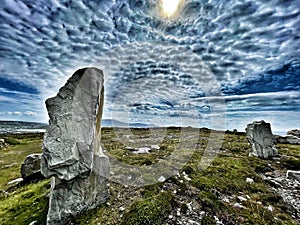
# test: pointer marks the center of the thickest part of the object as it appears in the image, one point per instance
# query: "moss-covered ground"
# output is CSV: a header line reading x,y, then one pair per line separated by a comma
x,y
225,178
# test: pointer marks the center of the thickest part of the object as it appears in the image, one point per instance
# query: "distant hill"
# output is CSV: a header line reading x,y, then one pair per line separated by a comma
x,y
34,127
21,127
116,123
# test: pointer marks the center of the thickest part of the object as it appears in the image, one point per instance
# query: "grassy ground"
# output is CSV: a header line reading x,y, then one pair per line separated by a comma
x,y
155,203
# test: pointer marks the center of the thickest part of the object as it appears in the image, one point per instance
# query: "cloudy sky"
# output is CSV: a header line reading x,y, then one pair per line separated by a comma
x,y
213,62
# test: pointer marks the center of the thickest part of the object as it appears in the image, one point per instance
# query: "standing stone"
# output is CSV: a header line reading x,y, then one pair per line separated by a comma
x,y
31,168
260,136
72,154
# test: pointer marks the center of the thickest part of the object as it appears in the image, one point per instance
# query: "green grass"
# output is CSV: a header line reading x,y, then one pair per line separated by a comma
x,y
152,204
26,204
151,210
12,157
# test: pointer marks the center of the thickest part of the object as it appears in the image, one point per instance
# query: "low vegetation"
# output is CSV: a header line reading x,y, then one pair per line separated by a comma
x,y
221,191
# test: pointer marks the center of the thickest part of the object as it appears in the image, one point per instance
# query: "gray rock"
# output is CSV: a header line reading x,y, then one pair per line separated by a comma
x,y
295,133
2,143
260,136
31,168
34,223
288,139
72,154
293,175
15,181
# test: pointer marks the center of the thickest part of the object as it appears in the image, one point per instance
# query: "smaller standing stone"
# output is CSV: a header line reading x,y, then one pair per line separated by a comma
x,y
31,168
260,136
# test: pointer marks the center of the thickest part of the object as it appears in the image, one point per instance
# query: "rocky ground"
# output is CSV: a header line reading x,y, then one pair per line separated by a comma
x,y
287,188
234,189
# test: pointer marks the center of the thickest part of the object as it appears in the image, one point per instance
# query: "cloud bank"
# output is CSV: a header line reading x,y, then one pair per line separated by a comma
x,y
251,48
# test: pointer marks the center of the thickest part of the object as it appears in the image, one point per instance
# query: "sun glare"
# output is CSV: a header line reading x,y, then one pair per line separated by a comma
x,y
169,7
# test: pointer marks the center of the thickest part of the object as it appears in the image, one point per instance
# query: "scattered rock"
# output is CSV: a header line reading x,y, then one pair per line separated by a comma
x,y
238,205
288,189
143,150
155,147
260,136
249,180
293,175
288,139
72,154
242,199
31,168
295,133
161,179
34,223
270,208
121,209
15,181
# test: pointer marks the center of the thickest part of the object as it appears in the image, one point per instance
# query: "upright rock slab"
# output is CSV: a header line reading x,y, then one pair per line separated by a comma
x,y
260,136
72,154
31,168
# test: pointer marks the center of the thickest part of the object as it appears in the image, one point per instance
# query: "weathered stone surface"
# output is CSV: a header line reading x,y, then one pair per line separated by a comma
x,y
72,153
288,139
295,133
293,175
31,167
260,136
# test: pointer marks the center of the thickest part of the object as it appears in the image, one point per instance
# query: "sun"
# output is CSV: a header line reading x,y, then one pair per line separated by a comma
x,y
169,7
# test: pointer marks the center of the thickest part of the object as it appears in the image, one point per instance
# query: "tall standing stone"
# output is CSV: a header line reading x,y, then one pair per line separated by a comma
x,y
72,154
262,141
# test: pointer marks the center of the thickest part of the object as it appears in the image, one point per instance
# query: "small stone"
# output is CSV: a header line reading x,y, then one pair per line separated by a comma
x,y
155,147
143,150
121,209
15,181
242,199
161,179
226,200
270,208
34,223
238,205
249,180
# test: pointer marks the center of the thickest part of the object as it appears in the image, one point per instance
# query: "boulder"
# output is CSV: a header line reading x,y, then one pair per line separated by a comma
x,y
295,133
262,141
288,139
72,154
31,168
